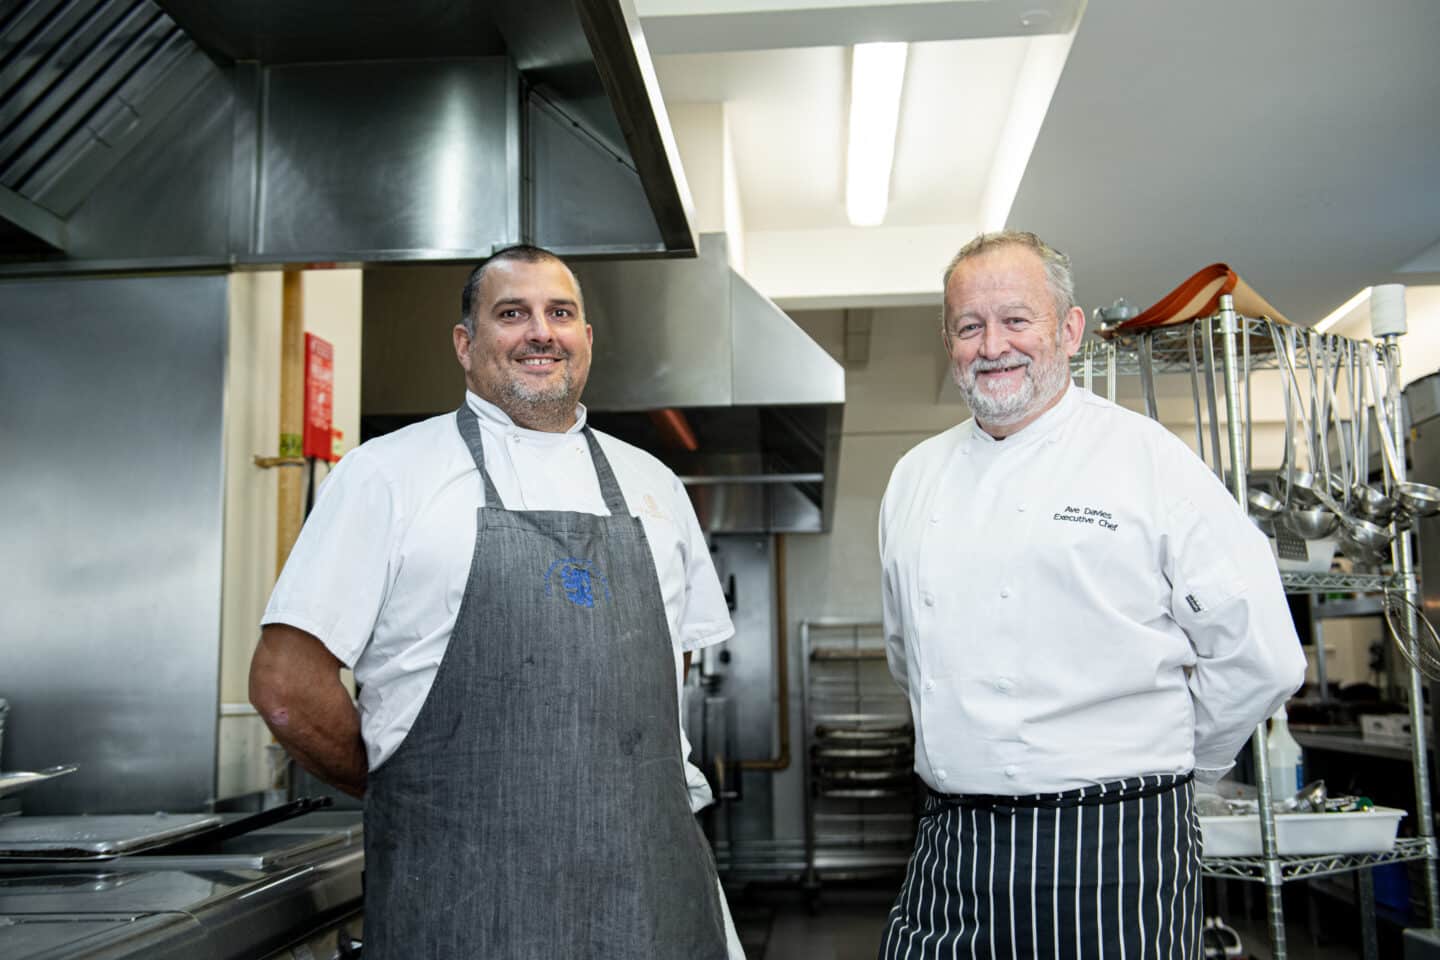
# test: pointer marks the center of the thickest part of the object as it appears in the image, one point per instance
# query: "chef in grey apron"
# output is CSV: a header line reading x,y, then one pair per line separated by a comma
x,y
538,807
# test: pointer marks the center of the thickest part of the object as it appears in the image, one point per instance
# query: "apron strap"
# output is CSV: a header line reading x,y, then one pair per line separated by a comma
x,y
609,488
469,425
470,432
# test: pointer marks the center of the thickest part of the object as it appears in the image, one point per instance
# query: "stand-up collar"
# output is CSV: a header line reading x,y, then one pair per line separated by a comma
x,y
1045,427
492,416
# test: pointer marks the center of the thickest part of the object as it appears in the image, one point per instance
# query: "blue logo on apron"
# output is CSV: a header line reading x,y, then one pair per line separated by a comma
x,y
578,580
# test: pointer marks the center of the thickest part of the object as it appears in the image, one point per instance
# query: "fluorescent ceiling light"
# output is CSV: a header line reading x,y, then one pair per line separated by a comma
x,y
1342,311
877,76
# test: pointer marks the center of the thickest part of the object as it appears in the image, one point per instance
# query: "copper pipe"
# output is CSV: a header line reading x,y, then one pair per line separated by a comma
x,y
675,429
781,761
291,483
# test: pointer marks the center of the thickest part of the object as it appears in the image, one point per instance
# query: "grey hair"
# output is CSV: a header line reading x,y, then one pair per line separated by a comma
x,y
521,252
1058,278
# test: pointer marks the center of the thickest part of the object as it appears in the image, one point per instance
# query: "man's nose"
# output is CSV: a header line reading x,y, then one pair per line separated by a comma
x,y
993,341
539,330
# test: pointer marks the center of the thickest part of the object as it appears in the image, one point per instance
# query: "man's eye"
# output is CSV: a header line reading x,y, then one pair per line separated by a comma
x,y
563,313
968,330
1017,323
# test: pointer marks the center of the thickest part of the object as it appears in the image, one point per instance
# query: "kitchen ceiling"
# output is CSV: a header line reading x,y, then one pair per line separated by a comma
x,y
1294,139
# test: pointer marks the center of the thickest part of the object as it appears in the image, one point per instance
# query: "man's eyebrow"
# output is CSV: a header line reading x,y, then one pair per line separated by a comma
x,y
520,302
999,308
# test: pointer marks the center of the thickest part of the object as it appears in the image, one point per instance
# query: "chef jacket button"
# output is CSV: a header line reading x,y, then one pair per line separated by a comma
x,y
941,774
929,599
1010,771
1004,686
935,518
1021,508
929,684
1005,592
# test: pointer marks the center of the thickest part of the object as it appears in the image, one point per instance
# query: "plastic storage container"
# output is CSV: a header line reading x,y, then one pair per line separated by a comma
x,y
1368,831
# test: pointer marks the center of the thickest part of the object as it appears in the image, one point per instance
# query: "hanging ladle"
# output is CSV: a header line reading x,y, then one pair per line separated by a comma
x,y
1370,501
1415,499
1297,488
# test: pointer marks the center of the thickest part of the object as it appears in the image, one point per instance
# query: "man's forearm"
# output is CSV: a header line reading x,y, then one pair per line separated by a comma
x,y
295,684
330,749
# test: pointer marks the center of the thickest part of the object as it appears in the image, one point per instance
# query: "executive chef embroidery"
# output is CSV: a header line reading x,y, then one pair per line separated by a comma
x,y
1088,515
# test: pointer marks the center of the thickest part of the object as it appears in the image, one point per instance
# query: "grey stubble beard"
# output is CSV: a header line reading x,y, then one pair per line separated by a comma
x,y
1042,381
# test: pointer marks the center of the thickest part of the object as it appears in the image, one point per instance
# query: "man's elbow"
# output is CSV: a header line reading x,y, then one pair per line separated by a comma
x,y
272,678
267,692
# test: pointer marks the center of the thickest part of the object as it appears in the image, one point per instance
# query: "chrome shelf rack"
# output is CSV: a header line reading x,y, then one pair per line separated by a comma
x,y
1230,344
1340,582
1318,865
859,754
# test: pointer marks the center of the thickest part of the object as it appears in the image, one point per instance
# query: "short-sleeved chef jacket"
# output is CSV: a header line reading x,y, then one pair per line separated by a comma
x,y
380,567
1080,602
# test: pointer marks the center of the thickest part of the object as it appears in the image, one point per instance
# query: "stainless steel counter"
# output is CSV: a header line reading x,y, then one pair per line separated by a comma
x,y
260,893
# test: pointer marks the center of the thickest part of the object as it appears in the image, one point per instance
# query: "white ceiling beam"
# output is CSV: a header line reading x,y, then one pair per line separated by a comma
x,y
731,25
843,267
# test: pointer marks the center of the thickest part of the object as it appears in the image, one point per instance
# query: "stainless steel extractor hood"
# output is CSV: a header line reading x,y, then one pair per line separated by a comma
x,y
140,135
692,362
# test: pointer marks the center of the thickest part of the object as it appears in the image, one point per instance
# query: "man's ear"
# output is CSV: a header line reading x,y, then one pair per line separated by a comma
x,y
1072,329
462,345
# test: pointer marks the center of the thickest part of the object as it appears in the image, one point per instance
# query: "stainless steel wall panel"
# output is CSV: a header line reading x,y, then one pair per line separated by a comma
x,y
170,195
316,31
662,332
748,681
775,361
364,158
111,392
583,197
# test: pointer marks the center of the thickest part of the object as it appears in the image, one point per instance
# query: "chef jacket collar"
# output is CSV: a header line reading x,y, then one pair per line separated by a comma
x,y
492,416
1046,426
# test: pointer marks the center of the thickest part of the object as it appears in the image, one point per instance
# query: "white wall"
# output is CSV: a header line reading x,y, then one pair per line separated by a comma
x,y
252,416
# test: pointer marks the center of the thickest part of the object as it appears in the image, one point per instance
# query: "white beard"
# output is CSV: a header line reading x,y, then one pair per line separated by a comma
x,y
1043,380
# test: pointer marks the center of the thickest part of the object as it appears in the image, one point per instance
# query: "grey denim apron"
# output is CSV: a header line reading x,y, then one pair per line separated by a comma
x,y
538,807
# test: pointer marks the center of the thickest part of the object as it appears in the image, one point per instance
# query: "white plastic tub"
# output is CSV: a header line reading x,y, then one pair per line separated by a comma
x,y
1367,831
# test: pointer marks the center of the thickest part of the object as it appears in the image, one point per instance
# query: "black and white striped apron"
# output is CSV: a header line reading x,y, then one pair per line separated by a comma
x,y
1111,870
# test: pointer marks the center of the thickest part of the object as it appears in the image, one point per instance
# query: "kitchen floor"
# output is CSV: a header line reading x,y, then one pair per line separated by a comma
x,y
778,923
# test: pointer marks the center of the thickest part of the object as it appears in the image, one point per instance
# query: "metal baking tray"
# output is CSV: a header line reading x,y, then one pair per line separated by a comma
x,y
877,731
20,779
94,838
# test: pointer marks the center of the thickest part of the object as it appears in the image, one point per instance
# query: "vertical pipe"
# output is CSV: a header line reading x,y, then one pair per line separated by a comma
x,y
811,879
1229,327
1317,637
291,500
1403,557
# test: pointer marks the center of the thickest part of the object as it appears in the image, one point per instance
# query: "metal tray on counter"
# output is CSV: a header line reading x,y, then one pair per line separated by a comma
x,y
17,780
97,837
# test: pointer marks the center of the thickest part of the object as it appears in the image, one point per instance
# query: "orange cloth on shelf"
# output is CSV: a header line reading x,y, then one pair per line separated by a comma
x,y
1199,296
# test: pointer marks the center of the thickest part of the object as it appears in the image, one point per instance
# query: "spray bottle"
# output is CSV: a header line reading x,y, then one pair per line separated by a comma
x,y
1287,770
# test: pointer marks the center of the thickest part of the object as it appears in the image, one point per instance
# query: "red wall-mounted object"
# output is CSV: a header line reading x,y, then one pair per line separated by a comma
x,y
319,398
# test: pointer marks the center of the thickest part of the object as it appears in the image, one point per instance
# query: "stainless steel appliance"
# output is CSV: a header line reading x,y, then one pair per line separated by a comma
x,y
279,890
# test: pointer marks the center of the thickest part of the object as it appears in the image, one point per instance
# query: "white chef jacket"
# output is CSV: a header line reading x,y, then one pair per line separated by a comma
x,y
380,566
1079,603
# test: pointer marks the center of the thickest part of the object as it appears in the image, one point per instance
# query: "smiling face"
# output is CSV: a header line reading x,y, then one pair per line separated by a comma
x,y
529,353
1010,352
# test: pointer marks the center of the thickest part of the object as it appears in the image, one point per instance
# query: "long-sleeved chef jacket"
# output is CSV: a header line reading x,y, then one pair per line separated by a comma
x,y
1080,602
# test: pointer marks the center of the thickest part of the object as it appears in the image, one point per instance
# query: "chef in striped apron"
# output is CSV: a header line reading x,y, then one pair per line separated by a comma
x,y
1085,623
